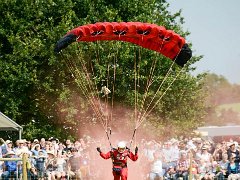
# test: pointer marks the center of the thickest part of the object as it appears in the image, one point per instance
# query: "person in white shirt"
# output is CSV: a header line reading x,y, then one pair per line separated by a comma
x,y
156,166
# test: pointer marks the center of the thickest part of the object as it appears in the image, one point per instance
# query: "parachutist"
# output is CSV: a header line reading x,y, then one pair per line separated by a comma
x,y
119,158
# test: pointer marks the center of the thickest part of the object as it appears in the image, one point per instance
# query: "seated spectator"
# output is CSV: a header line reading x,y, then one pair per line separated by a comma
x,y
60,166
31,170
182,166
223,165
213,170
203,169
10,167
233,169
170,174
50,165
194,169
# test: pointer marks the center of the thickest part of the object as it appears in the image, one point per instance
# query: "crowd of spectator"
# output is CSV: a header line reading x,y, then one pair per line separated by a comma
x,y
47,159
188,158
193,158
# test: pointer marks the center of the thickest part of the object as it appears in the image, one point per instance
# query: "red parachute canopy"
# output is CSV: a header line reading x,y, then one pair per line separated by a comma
x,y
150,36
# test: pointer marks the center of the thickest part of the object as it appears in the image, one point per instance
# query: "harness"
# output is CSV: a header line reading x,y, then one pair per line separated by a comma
x,y
116,161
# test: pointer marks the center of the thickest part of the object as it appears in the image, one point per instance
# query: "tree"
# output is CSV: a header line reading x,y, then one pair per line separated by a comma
x,y
37,89
219,92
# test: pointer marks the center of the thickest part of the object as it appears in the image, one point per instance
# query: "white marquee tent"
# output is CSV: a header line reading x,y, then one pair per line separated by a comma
x,y
6,124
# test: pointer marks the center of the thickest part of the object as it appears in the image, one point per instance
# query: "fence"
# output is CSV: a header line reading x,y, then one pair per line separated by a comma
x,y
24,160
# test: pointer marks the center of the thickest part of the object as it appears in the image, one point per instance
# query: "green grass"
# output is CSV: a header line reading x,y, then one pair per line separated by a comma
x,y
235,107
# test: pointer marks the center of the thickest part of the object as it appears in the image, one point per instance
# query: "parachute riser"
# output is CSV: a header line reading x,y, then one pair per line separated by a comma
x,y
134,132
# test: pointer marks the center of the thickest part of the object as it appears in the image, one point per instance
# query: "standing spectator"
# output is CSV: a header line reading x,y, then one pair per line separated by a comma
x,y
168,155
40,164
35,150
74,170
7,147
182,146
21,148
54,142
175,151
217,154
69,146
156,167
10,167
29,145
233,152
42,143
61,147
48,146
36,141
149,151
78,146
206,156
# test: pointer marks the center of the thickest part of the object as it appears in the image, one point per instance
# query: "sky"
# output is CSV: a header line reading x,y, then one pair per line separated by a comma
x,y
215,33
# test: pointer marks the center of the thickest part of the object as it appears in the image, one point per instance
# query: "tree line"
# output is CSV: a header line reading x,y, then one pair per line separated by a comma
x,y
38,91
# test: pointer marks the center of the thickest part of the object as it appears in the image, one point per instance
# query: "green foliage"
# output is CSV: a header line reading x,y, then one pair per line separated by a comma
x,y
222,100
37,85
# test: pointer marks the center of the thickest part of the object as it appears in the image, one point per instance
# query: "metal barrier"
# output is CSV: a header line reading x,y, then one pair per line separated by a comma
x,y
24,160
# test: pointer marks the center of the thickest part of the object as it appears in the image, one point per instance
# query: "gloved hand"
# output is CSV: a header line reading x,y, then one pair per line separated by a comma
x,y
127,148
99,150
136,150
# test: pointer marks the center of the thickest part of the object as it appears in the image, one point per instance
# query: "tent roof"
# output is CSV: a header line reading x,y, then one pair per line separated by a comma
x,y
6,124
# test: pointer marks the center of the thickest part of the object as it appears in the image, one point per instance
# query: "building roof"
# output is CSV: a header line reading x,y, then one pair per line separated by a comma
x,y
6,124
220,130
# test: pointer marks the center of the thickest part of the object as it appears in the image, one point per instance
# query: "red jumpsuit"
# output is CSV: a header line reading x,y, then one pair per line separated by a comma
x,y
119,162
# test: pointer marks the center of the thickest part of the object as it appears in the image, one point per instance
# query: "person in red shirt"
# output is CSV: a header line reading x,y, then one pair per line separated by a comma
x,y
119,158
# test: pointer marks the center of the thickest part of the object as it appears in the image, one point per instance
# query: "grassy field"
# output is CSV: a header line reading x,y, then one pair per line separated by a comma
x,y
234,107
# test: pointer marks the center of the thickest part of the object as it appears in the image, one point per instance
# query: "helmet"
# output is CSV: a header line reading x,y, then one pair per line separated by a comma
x,y
122,145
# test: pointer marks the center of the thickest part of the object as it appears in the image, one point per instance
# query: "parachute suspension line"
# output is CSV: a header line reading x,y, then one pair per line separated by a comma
x,y
147,113
109,140
138,87
134,132
136,80
85,81
113,88
77,75
159,88
149,83
106,97
104,117
81,83
107,121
